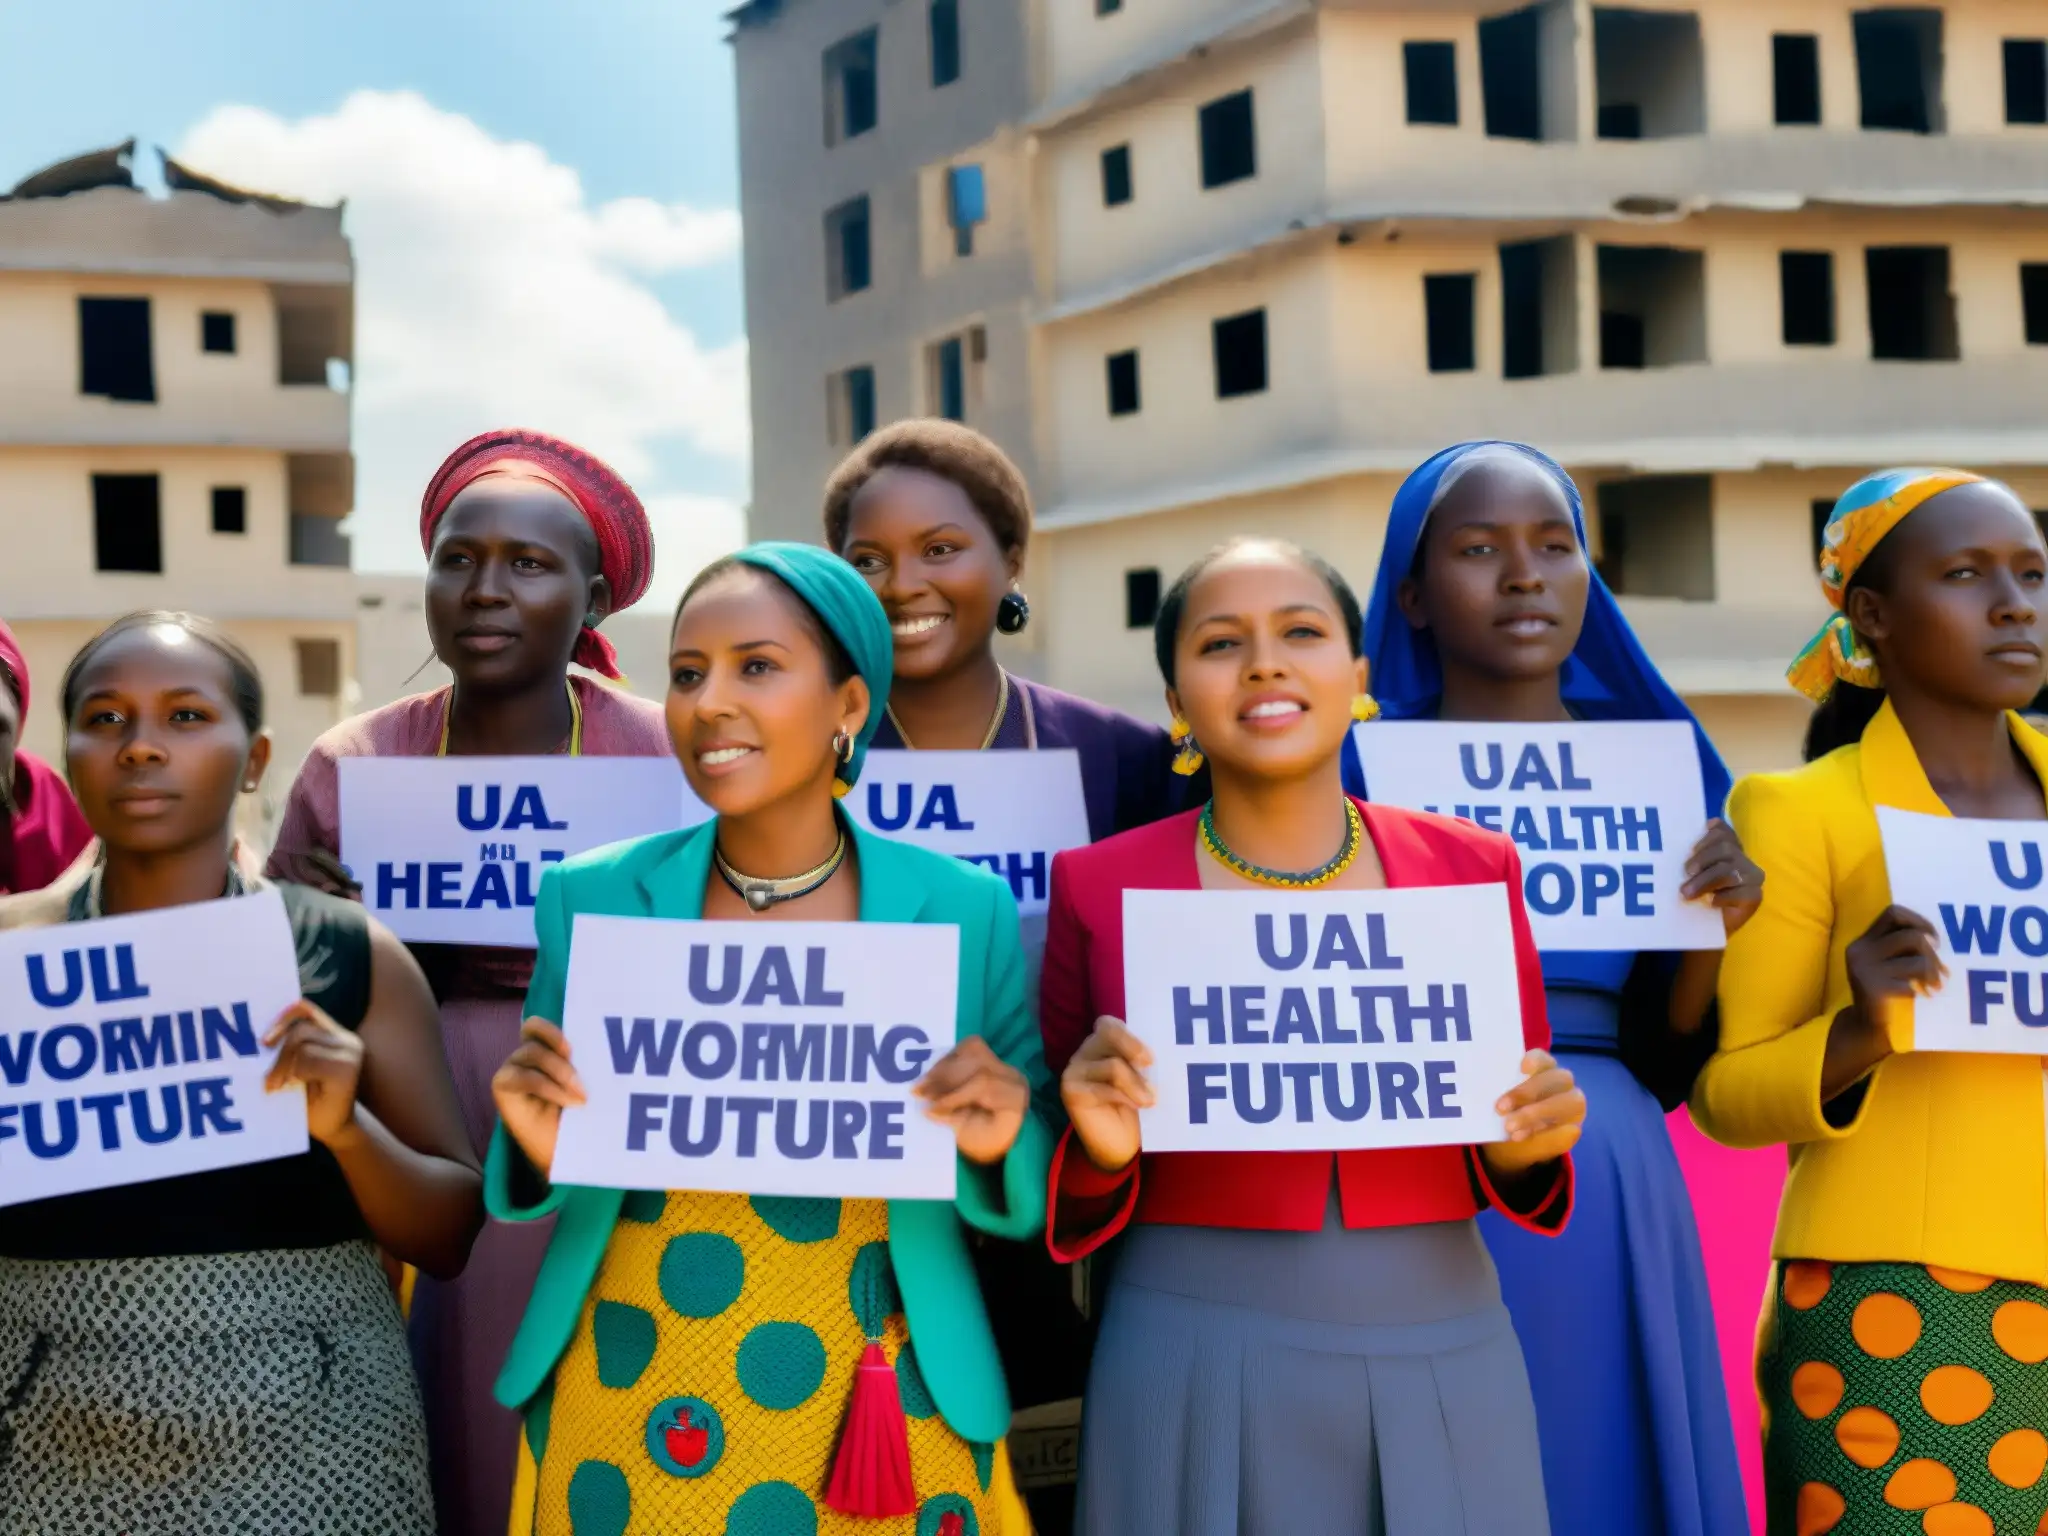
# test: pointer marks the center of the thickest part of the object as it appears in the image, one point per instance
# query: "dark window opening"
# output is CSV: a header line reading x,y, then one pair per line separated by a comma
x,y
127,523
1912,311
1823,511
953,369
1806,298
850,405
1124,398
1898,69
1649,74
1229,141
2034,302
1449,300
847,265
1795,78
1432,77
1621,340
852,94
1141,597
319,668
1619,120
230,509
216,332
1511,74
1116,176
1657,536
1108,7
952,380
115,358
1653,306
945,35
1539,303
2026,80
1240,346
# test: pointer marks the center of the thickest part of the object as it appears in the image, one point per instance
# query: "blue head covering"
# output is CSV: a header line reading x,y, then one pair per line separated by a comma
x,y
848,608
1606,677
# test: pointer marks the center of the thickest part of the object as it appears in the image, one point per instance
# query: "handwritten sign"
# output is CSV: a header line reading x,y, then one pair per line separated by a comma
x,y
450,850
1984,886
1323,1021
762,1058
1605,815
130,1047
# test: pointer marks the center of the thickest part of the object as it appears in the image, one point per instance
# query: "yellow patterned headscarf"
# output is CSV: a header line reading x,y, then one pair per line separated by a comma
x,y
1868,510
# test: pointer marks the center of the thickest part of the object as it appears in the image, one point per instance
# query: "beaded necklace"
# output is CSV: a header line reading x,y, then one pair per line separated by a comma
x,y
1354,839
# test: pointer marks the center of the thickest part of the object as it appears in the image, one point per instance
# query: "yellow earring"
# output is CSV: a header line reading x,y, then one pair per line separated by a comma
x,y
1188,760
1365,707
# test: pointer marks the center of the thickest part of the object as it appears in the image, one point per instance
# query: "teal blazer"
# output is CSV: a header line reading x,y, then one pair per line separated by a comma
x,y
664,876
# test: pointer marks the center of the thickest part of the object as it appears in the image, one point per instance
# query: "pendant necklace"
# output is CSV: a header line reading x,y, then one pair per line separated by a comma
x,y
761,894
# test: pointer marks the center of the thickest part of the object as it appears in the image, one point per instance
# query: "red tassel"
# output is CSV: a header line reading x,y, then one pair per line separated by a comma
x,y
871,1474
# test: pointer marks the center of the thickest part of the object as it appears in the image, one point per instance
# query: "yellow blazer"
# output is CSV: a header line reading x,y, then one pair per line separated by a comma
x,y
1944,1162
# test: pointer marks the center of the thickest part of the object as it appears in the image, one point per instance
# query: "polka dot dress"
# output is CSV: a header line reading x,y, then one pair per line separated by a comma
x,y
709,1376
1901,1398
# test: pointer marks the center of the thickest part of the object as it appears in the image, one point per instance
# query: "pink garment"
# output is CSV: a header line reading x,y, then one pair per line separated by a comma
x,y
48,833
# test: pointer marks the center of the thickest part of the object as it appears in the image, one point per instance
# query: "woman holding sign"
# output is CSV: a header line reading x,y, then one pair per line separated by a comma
x,y
704,1361
1486,607
218,1351
530,543
1293,1341
1906,1326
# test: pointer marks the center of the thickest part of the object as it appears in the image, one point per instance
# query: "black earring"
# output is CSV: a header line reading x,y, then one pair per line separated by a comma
x,y
1013,612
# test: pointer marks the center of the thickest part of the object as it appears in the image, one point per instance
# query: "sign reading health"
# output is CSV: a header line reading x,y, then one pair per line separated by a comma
x,y
131,1047
760,1058
1984,887
1605,815
450,850
1323,1021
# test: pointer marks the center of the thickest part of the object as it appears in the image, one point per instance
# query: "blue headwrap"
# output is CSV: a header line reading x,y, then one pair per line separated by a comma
x,y
848,608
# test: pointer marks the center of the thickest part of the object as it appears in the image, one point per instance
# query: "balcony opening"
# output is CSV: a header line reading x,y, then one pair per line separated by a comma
x,y
1240,347
1898,69
852,87
1431,71
2034,302
953,373
314,335
1449,300
1649,74
1795,79
1230,150
217,332
850,405
115,360
2026,81
1141,597
319,668
230,509
1657,536
1806,298
321,491
944,27
1912,310
1653,306
128,524
1511,74
1116,176
1124,396
1539,308
847,266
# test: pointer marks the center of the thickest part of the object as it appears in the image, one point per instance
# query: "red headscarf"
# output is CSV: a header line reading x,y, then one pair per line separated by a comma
x,y
16,665
45,833
625,541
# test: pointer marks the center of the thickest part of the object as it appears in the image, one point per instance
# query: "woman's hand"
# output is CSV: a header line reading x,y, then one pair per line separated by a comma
x,y
1103,1089
1720,871
1894,962
327,1060
533,1088
1542,1116
325,872
981,1096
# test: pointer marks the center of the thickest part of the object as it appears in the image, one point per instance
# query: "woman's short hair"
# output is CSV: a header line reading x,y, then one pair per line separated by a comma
x,y
937,447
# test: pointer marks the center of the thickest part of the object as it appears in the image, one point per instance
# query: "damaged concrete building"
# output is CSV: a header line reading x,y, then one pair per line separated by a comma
x,y
1209,266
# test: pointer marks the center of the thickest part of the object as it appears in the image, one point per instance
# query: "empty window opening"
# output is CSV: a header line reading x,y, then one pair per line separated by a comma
x,y
953,374
319,668
945,36
1653,306
313,335
1240,345
1116,176
1795,78
1432,74
1649,74
2034,301
847,267
115,359
1898,69
1823,512
1448,301
1657,536
1806,298
1912,311
850,405
2026,80
127,523
852,94
1229,141
1124,398
966,205
1511,74
1141,597
319,492
230,509
1539,308
1108,7
216,332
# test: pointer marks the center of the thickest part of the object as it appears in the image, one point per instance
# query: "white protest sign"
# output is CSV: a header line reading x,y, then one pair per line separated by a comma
x,y
1605,815
1323,1021
131,1047
761,1058
450,850
1984,887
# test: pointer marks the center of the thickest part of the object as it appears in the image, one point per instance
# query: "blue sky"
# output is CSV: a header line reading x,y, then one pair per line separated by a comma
x,y
632,96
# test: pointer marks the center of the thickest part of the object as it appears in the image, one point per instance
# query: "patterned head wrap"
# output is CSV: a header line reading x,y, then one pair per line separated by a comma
x,y
625,540
1868,510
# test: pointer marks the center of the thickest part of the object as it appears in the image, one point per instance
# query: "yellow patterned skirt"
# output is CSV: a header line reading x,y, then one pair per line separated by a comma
x,y
709,1375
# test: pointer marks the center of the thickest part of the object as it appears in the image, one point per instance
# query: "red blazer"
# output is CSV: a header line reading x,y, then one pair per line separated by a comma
x,y
1275,1191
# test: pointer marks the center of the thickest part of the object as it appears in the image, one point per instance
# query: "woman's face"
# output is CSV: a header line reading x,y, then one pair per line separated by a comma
x,y
1503,583
1263,669
156,749
512,574
752,708
936,565
1958,615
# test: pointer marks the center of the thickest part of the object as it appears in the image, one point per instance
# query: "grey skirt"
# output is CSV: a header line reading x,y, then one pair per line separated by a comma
x,y
265,1393
1334,1383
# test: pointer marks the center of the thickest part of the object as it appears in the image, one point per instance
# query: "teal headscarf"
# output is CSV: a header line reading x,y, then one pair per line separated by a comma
x,y
848,608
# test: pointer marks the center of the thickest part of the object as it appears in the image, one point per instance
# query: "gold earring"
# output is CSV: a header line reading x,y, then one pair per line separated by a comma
x,y
1365,707
1188,760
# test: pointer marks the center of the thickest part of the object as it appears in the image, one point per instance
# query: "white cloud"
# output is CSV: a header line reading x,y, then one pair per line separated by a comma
x,y
491,292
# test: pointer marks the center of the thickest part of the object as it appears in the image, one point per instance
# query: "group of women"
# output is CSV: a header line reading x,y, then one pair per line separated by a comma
x,y
1508,1338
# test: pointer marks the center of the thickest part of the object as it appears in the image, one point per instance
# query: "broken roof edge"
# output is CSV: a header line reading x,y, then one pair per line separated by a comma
x,y
182,178
751,13
96,168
